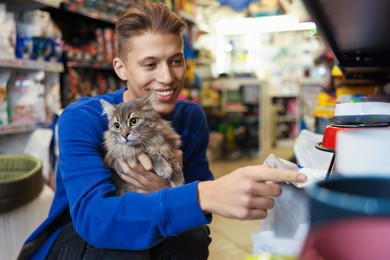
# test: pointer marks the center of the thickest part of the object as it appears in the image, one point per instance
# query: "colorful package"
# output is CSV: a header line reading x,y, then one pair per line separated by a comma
x,y
4,77
27,97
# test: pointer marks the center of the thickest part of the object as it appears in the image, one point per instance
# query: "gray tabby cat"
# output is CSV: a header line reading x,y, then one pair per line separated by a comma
x,y
134,127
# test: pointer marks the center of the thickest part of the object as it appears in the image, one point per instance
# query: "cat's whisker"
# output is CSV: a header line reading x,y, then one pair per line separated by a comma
x,y
142,142
151,95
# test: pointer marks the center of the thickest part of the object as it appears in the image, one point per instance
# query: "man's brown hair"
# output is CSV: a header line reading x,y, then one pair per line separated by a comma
x,y
145,17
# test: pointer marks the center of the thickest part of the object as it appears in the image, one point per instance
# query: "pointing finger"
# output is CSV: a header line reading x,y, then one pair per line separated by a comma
x,y
278,175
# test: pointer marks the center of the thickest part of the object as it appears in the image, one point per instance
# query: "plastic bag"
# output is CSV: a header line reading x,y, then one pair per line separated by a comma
x,y
284,230
308,155
313,175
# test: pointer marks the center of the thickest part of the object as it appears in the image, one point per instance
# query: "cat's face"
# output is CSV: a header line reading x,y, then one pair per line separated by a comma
x,y
129,123
154,62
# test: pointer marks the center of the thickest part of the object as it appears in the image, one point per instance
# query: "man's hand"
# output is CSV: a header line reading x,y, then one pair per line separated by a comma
x,y
246,193
142,175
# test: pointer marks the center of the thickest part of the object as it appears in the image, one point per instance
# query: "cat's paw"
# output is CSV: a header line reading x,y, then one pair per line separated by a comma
x,y
164,171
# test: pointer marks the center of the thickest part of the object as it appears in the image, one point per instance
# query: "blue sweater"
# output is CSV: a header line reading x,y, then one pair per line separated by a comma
x,y
83,184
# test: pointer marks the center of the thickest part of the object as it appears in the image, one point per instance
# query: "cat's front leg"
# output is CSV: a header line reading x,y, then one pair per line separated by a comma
x,y
162,167
177,178
170,171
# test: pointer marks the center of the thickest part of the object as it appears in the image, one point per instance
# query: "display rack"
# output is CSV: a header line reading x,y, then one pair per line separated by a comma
x,y
17,128
286,122
32,65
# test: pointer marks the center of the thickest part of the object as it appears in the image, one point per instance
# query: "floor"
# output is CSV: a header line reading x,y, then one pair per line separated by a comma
x,y
231,239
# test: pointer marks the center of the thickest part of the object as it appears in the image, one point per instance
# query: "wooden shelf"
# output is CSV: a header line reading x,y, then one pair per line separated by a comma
x,y
51,3
32,65
89,65
17,128
92,13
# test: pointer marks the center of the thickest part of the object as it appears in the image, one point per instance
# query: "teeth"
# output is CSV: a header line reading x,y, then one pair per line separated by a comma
x,y
164,93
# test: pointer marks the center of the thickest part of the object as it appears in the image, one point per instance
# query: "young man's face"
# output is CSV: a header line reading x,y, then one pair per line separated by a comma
x,y
155,62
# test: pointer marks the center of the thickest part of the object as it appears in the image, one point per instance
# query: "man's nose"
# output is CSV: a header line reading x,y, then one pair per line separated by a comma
x,y
164,74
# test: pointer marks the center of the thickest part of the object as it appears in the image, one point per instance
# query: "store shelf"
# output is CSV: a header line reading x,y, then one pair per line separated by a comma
x,y
17,128
285,113
88,65
286,118
283,95
20,5
32,65
233,83
91,13
51,3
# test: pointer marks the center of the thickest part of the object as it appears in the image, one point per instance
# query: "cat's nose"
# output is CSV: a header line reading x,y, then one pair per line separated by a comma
x,y
125,134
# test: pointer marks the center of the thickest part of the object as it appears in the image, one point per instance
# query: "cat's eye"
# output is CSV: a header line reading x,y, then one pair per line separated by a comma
x,y
117,126
134,121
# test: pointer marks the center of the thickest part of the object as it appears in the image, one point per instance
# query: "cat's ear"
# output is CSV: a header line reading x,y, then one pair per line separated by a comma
x,y
108,108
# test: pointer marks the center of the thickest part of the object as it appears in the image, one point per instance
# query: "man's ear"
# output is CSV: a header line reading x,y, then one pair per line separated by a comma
x,y
120,68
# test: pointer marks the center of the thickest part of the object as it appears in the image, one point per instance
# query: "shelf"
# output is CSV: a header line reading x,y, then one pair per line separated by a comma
x,y
91,13
283,95
311,81
286,118
233,83
32,65
51,3
88,65
17,128
20,5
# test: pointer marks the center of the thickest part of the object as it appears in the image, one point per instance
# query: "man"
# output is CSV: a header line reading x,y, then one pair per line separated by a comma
x,y
87,220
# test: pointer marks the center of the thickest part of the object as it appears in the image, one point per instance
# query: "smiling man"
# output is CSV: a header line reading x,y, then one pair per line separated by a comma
x,y
88,221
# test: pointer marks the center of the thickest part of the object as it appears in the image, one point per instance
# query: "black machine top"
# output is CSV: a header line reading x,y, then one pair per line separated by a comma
x,y
358,34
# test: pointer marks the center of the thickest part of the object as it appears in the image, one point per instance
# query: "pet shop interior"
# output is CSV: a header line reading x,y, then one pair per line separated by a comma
x,y
297,84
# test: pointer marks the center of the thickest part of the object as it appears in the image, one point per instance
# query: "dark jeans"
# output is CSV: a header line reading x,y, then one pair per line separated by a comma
x,y
192,244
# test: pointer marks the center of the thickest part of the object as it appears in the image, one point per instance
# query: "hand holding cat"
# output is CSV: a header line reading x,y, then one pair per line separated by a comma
x,y
142,175
245,193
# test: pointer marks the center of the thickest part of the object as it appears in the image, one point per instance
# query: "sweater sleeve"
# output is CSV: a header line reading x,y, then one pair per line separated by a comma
x,y
132,221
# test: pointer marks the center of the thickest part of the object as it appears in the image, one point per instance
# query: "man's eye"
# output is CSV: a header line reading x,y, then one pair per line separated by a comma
x,y
117,126
149,65
177,61
134,121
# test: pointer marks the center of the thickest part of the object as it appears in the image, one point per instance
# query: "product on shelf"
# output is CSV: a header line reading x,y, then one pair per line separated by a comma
x,y
38,38
99,45
27,97
4,77
109,44
24,46
7,33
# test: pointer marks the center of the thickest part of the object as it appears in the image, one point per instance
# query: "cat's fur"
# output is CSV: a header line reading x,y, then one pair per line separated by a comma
x,y
152,135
